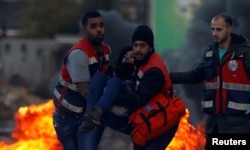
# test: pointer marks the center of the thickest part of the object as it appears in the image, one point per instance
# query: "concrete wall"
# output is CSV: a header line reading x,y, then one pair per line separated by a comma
x,y
30,60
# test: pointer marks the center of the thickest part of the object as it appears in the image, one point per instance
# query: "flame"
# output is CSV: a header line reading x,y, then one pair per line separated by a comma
x,y
187,136
34,131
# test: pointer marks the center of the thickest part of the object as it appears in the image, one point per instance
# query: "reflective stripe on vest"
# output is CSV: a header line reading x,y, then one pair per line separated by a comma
x,y
234,86
238,106
212,85
232,105
92,60
68,105
229,86
106,57
207,104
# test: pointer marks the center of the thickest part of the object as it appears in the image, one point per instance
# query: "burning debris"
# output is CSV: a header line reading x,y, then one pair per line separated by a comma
x,y
187,136
34,130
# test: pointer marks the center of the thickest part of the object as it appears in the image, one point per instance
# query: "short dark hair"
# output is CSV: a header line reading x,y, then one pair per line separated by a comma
x,y
226,18
90,14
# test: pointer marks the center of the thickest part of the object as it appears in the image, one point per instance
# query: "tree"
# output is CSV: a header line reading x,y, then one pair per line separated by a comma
x,y
97,4
45,18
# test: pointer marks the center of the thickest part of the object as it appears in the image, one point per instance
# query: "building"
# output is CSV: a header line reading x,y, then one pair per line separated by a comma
x,y
28,62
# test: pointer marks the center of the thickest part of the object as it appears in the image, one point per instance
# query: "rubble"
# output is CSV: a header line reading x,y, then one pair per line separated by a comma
x,y
11,98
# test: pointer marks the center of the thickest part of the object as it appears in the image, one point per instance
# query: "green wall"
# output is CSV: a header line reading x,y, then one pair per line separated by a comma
x,y
169,25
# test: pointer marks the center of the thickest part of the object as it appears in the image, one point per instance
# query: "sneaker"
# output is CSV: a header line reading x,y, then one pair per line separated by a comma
x,y
86,125
95,115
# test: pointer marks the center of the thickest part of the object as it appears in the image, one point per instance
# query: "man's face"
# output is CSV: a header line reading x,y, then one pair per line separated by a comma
x,y
220,30
141,49
94,30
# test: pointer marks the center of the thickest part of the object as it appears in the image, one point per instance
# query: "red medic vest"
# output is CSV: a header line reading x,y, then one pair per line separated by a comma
x,y
228,92
156,61
96,63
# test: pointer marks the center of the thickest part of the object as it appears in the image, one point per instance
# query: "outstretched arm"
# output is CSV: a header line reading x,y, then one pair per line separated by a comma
x,y
194,76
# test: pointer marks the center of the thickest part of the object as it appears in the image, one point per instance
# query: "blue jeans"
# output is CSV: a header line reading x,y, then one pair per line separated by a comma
x,y
102,92
96,87
66,127
90,140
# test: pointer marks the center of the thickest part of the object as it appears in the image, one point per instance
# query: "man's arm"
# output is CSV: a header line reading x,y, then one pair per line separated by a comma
x,y
82,87
151,83
194,76
78,67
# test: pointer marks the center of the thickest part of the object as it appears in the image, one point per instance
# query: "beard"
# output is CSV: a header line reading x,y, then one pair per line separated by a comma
x,y
96,40
144,60
220,40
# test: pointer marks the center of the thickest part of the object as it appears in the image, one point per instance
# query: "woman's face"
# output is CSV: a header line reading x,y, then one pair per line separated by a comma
x,y
129,57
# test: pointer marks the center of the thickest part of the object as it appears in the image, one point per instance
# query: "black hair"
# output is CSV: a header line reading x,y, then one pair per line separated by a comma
x,y
90,14
122,54
226,18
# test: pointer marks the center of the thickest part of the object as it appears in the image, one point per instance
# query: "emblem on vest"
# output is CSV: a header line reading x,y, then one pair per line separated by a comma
x,y
209,53
233,65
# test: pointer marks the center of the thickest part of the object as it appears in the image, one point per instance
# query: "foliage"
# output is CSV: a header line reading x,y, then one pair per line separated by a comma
x,y
97,4
45,18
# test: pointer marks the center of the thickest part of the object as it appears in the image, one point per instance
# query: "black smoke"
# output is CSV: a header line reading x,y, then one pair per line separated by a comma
x,y
198,37
118,32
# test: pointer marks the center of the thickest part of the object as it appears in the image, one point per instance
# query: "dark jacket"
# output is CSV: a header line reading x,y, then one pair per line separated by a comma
x,y
226,81
153,80
197,75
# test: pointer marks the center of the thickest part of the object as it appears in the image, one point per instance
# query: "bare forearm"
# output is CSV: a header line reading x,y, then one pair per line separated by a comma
x,y
83,88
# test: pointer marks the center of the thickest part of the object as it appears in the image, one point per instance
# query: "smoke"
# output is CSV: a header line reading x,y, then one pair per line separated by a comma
x,y
118,32
239,10
199,36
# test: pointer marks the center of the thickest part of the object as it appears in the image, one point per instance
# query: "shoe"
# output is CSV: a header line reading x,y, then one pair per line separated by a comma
x,y
90,119
95,115
86,125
